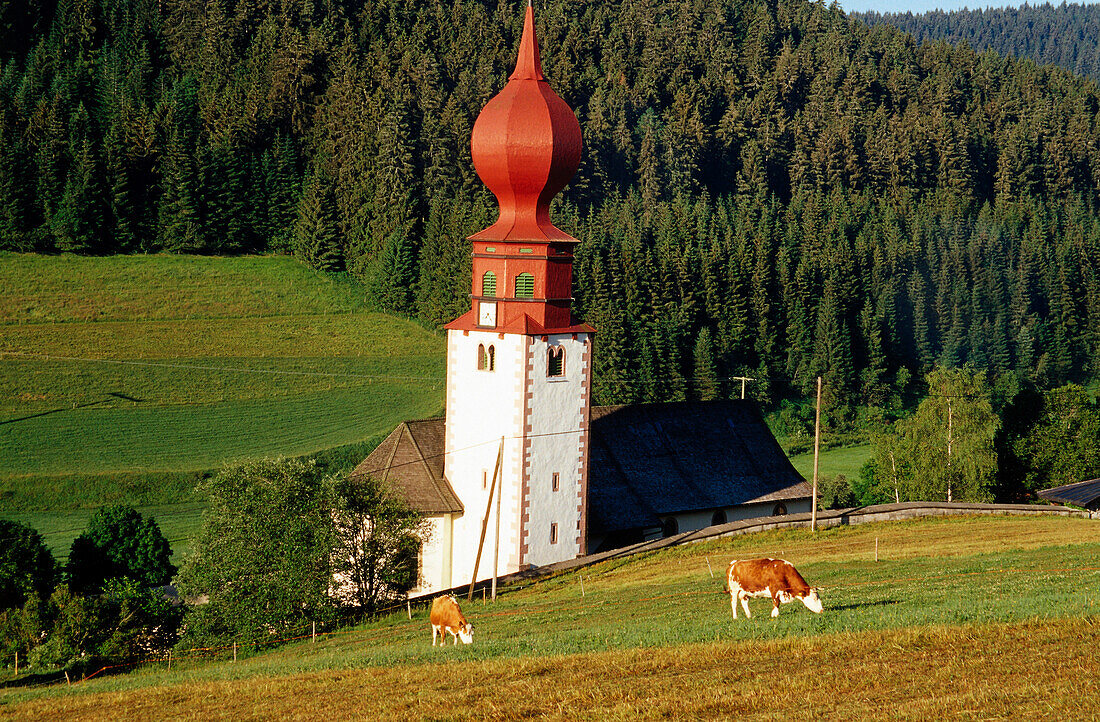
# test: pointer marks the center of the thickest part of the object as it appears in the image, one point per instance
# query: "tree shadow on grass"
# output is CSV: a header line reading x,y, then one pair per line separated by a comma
x,y
74,407
862,605
33,680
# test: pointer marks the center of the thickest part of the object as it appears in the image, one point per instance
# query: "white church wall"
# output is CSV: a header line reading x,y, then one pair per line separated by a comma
x,y
557,428
482,407
435,556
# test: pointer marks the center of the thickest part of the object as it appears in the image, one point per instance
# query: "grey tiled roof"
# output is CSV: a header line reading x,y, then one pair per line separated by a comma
x,y
1085,494
650,460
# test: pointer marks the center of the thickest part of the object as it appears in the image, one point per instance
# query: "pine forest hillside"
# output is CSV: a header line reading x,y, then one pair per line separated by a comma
x,y
767,188
1065,34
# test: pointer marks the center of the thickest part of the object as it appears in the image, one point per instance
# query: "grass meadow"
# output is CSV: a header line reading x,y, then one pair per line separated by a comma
x,y
972,617
841,461
125,379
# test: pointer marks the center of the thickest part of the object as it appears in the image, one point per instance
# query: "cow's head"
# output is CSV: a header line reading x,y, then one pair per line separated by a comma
x,y
813,602
466,633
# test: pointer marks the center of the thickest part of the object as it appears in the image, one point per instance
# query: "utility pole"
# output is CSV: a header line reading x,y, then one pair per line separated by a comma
x,y
496,534
742,379
949,430
485,521
817,451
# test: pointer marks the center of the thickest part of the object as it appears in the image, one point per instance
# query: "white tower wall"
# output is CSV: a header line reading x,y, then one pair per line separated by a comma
x,y
544,423
557,428
483,406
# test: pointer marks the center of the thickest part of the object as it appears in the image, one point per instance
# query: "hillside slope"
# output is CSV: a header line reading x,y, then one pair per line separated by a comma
x,y
805,194
164,366
990,616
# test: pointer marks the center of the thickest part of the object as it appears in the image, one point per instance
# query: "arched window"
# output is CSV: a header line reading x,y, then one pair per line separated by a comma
x,y
525,286
670,527
555,361
482,358
492,358
779,510
489,284
718,517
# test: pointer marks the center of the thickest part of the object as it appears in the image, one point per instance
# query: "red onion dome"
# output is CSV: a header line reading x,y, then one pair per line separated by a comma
x,y
526,146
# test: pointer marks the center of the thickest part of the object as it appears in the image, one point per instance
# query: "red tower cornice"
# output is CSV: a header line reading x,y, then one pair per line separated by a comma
x,y
526,145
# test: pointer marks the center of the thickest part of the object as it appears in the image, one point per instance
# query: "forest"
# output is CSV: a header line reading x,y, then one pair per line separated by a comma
x,y
1063,34
767,188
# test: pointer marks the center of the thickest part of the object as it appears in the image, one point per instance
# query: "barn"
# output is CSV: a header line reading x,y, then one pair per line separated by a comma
x,y
523,466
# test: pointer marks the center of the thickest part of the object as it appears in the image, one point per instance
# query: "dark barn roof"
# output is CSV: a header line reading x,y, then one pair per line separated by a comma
x,y
1085,494
410,460
649,460
645,461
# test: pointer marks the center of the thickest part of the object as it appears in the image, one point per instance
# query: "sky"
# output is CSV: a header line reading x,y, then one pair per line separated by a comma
x,y
923,6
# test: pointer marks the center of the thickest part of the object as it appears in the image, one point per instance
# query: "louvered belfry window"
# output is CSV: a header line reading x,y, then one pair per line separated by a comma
x,y
525,286
482,358
489,284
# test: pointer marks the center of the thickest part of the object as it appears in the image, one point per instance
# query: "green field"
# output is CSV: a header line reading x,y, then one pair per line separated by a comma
x,y
842,461
990,617
124,379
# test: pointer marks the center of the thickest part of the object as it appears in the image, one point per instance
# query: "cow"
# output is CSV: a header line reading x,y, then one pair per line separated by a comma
x,y
773,578
447,617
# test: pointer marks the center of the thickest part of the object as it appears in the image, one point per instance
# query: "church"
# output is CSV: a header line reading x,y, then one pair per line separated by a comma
x,y
522,471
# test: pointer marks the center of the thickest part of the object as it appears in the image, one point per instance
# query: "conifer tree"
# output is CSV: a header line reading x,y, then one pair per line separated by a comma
x,y
315,241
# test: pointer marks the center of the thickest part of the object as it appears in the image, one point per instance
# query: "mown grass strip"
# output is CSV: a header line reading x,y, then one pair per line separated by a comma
x,y
66,288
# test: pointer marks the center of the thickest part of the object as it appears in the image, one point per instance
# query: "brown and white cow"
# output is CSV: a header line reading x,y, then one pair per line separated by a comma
x,y
773,578
447,617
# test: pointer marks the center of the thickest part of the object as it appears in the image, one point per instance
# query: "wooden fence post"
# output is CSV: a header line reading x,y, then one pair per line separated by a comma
x,y
582,582
234,651
314,640
709,569
409,606
169,660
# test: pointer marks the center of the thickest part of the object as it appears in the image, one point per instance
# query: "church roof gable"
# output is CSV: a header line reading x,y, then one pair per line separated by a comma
x,y
410,460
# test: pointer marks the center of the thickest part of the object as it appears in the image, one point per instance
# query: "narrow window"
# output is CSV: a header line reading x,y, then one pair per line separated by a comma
x,y
482,357
719,517
554,482
553,533
555,361
525,286
779,510
489,284
492,358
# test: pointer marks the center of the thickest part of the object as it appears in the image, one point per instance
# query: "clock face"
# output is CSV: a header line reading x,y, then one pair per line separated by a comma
x,y
487,313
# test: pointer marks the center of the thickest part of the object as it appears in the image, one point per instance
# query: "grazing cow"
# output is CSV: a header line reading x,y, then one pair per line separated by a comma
x,y
447,617
773,578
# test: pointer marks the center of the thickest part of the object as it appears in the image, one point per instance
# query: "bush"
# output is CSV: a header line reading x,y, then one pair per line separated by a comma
x,y
264,558
26,565
119,542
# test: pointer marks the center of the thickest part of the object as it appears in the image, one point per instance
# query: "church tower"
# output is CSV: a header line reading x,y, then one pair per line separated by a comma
x,y
518,362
